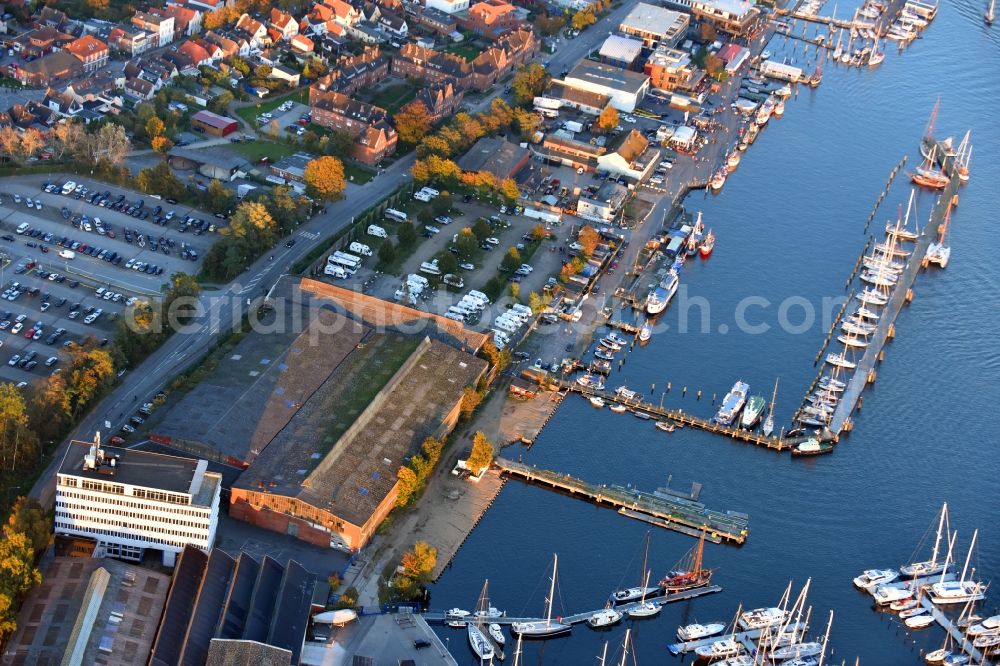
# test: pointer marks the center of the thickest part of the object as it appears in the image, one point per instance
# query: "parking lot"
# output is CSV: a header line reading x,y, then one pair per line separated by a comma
x,y
139,254
292,118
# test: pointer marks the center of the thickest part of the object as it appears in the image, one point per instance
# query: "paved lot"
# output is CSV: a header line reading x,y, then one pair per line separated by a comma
x,y
50,220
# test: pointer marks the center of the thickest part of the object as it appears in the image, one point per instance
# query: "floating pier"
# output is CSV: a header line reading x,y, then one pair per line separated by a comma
x,y
747,638
657,508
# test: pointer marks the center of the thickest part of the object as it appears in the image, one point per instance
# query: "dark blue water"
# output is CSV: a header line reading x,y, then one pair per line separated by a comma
x,y
789,225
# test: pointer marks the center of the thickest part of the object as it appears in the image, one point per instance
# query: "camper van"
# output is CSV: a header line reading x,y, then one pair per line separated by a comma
x,y
23,227
336,271
479,296
377,231
430,267
360,248
395,215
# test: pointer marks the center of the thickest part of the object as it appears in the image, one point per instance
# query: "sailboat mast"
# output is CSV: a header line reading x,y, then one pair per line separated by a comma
x,y
552,590
774,395
826,639
625,647
968,555
937,539
947,560
517,652
604,655
645,556
696,568
645,586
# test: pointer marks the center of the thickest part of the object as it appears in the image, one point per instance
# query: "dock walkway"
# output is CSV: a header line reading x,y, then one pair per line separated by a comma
x,y
657,508
747,638
865,372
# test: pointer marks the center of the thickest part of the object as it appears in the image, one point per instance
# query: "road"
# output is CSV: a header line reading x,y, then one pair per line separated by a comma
x,y
221,310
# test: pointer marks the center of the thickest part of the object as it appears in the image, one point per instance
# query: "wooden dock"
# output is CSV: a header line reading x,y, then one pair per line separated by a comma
x,y
747,638
901,294
623,326
577,618
681,417
668,511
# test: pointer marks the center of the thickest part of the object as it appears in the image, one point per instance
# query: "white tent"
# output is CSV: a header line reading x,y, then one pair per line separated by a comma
x,y
684,136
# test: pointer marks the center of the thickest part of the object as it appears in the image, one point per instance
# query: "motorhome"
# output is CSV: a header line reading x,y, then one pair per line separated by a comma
x,y
360,248
395,215
377,231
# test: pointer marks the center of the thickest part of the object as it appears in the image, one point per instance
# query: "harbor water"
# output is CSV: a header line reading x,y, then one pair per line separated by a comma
x,y
789,225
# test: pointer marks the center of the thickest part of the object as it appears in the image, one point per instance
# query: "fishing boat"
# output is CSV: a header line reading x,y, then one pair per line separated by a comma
x,y
919,621
496,634
768,426
618,408
779,108
597,401
548,627
732,403
753,411
645,608
733,160
688,573
707,245
872,578
659,297
698,631
990,12
646,332
812,447
665,426
718,179
840,361
961,590
605,617
938,252
611,343
931,567
477,639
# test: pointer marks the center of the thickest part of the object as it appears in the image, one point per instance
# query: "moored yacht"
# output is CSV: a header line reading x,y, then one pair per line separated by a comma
x,y
840,361
547,628
886,595
732,403
604,618
698,631
759,618
727,647
597,401
659,297
931,567
753,411
872,578
796,651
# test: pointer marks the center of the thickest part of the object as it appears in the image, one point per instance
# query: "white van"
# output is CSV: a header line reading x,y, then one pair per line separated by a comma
x,y
422,196
518,307
501,336
413,278
23,228
506,325
67,254
397,215
377,231
335,271
457,316
361,248
478,295
68,187
430,191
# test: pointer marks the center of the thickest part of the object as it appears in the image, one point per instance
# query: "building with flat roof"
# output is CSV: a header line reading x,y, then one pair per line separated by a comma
x,y
655,25
89,611
671,69
213,124
496,155
210,162
338,498
621,51
733,16
220,603
625,88
604,204
293,167
584,101
131,501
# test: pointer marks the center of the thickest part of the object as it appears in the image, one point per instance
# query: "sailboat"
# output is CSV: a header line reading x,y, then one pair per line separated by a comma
x,y
478,641
964,156
838,51
929,175
840,361
962,590
990,11
548,627
944,652
937,251
631,594
768,426
645,608
930,567
876,57
689,573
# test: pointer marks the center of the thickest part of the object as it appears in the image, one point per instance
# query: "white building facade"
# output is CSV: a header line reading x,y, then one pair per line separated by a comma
x,y
130,501
449,6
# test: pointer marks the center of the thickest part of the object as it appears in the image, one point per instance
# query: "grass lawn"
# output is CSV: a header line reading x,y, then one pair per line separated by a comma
x,y
464,50
356,174
254,150
249,113
393,97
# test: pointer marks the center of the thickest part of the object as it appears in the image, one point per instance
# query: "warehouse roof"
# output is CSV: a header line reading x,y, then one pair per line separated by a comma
x,y
213,119
621,48
607,76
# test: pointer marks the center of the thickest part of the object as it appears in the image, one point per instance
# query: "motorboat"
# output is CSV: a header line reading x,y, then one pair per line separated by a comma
x,y
631,594
618,408
872,578
642,415
496,634
886,595
604,618
990,625
727,647
912,612
591,381
707,245
760,618
919,621
812,447
479,643
625,393
456,614
779,108
597,401
611,344
753,411
732,403
840,361
665,426
957,592
604,355
646,331
490,613
987,641
659,297
698,631
903,605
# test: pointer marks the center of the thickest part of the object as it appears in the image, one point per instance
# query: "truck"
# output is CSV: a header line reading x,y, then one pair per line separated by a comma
x,y
573,126
361,248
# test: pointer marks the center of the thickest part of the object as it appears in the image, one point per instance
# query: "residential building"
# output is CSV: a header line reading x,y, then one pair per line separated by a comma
x,y
604,204
625,88
344,496
63,103
253,30
621,51
49,70
92,52
131,501
393,25
490,18
440,99
301,45
671,69
229,47
282,73
633,158
284,24
221,602
188,57
655,25
187,20
495,155
448,6
292,168
352,73
52,17
162,27
733,16
129,39
374,137
343,12
433,18
139,89
213,124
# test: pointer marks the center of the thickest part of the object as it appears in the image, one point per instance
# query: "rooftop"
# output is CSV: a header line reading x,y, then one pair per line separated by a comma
x,y
126,602
653,19
621,48
664,56
211,156
294,164
608,76
734,8
213,119
495,155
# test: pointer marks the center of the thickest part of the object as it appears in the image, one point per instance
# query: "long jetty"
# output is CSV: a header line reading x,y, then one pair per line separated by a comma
x,y
657,508
677,416
901,294
747,638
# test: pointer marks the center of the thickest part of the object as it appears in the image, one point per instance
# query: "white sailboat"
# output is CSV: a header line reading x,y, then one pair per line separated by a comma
x,y
964,156
990,12
962,590
645,608
478,641
630,594
876,57
930,567
768,426
939,252
548,627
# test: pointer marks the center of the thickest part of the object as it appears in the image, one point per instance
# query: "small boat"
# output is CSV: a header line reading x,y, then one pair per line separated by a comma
x,y
613,345
873,578
990,14
626,393
601,367
496,634
646,331
840,361
930,180
727,647
938,252
835,384
456,614
903,605
852,341
718,179
665,426
753,411
732,403
642,415
930,567
548,627
882,279
604,355
768,426
618,408
901,234
987,626
919,621
779,108
707,245
872,297
987,641
885,595
733,160
480,644
591,381
856,326
956,659
605,617
962,590
645,608
865,313
698,631
812,447
759,618
597,401
911,612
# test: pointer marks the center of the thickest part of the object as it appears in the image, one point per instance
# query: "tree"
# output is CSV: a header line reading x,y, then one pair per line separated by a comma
x,y
706,33
529,82
48,407
482,230
467,243
91,372
386,253
608,120
481,456
110,143
31,141
17,575
538,232
184,291
28,517
161,180
324,177
418,563
218,197
442,203
515,291
407,486
17,441
511,261
537,302
413,122
221,102
447,263
470,400
589,239
550,25
527,122
154,127
161,144
407,234
583,18
714,65
508,190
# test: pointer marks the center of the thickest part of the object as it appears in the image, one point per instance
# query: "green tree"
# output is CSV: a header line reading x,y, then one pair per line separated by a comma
x,y
511,261
537,302
220,104
386,253
426,215
550,25
442,203
529,82
29,518
467,243
324,177
407,234
482,230
17,575
447,263
18,443
481,456
218,197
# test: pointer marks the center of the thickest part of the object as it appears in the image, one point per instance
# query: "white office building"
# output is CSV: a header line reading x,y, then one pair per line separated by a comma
x,y
130,501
